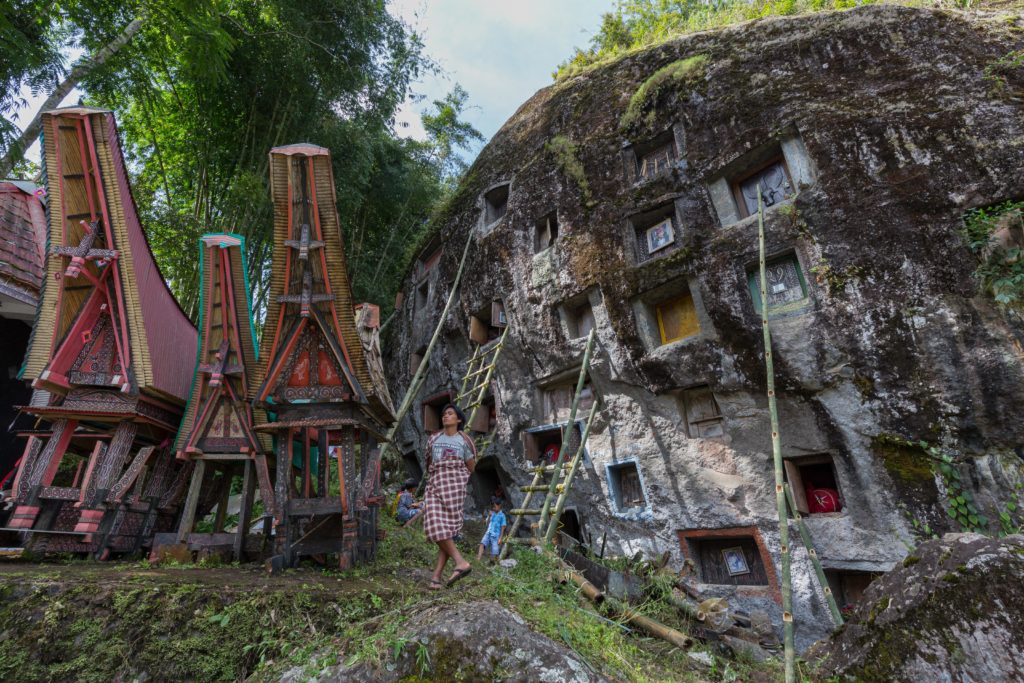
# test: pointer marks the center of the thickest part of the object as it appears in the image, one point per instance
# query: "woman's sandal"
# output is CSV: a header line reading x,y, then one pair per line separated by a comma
x,y
458,575
435,585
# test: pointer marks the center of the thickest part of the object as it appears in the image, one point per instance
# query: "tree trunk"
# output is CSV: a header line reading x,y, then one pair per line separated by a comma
x,y
17,149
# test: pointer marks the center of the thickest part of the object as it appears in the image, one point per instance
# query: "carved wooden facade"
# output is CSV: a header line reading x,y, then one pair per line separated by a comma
x,y
107,359
317,373
217,437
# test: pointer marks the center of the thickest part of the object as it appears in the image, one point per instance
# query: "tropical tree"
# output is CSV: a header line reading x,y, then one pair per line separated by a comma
x,y
202,91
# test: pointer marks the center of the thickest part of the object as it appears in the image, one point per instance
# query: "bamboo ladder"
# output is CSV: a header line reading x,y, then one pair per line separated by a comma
x,y
421,372
557,489
479,372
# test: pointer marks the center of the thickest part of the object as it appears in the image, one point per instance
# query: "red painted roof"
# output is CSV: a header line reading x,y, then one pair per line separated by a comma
x,y
171,336
22,238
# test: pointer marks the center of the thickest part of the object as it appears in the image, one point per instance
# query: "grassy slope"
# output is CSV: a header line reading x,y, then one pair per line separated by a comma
x,y
99,622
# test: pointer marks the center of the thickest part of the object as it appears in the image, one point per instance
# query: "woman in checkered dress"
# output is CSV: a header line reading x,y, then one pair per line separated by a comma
x,y
451,458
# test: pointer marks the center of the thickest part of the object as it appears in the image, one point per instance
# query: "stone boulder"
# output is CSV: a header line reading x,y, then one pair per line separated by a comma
x,y
952,612
477,641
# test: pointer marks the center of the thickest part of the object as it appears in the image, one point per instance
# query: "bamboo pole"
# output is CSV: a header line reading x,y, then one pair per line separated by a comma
x,y
566,435
421,371
593,593
646,624
780,495
819,571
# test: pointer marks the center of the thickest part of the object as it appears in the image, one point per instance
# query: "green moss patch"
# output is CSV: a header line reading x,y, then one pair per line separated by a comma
x,y
674,77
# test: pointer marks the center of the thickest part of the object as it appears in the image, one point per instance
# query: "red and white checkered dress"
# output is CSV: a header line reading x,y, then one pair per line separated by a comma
x,y
446,486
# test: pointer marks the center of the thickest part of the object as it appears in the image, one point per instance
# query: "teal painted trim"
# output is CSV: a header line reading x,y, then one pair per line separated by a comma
x,y
248,292
46,279
199,346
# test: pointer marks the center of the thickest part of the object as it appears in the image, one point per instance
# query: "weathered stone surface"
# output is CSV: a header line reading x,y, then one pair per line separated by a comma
x,y
952,612
477,641
891,130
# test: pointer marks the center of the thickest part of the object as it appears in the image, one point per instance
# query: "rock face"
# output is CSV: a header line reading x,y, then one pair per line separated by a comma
x,y
478,641
871,132
951,613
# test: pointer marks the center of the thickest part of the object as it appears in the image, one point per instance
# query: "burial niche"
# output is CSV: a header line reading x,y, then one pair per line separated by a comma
x,y
625,487
655,233
545,232
786,287
703,417
432,408
541,445
495,204
733,560
487,324
577,315
813,481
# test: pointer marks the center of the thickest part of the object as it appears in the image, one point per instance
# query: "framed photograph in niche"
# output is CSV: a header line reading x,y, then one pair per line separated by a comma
x,y
660,236
735,561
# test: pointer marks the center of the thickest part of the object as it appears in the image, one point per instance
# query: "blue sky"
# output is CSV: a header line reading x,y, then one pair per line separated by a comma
x,y
499,52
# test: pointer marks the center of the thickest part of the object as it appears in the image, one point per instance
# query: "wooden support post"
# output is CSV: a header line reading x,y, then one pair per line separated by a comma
x,y
281,491
307,465
323,447
188,512
780,495
245,512
222,501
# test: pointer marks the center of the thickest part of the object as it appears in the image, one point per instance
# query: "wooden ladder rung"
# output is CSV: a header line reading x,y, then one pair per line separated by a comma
x,y
548,469
526,511
542,489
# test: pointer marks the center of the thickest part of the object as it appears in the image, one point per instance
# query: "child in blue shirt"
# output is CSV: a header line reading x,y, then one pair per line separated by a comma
x,y
495,531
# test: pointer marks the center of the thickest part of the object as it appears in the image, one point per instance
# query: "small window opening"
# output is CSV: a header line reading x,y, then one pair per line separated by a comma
x,y
774,180
487,324
813,482
432,408
655,156
626,490
496,203
785,286
703,417
545,232
729,561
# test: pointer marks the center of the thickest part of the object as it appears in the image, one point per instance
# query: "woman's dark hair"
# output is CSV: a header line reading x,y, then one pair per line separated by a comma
x,y
410,483
458,413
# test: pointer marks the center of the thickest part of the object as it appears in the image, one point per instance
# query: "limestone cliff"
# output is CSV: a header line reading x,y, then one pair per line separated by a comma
x,y
871,131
